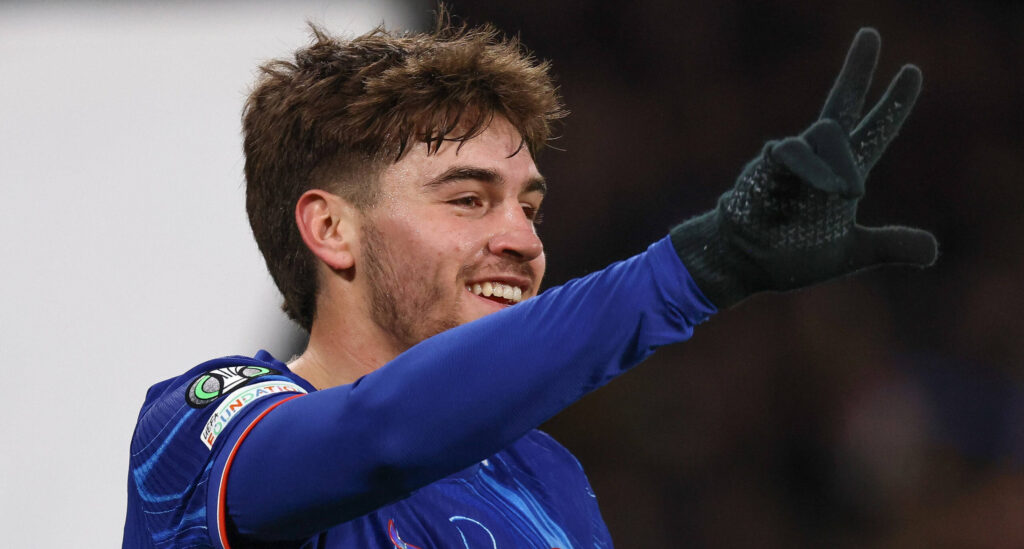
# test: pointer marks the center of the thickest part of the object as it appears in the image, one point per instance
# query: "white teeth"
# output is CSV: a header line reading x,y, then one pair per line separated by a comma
x,y
497,289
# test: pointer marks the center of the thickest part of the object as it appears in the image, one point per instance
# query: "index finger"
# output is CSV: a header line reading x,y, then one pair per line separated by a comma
x,y
846,100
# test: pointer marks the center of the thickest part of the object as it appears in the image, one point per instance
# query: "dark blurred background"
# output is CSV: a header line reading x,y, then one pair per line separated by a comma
x,y
879,410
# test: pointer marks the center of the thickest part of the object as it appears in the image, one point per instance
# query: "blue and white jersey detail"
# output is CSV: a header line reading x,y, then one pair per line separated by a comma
x,y
531,495
527,515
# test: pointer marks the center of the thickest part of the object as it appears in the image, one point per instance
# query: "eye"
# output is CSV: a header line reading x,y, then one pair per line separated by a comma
x,y
533,214
467,202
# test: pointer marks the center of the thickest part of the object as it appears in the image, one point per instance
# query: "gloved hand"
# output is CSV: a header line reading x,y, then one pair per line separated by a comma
x,y
790,220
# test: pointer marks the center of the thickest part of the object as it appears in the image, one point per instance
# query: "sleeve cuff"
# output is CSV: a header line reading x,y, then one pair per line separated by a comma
x,y
677,285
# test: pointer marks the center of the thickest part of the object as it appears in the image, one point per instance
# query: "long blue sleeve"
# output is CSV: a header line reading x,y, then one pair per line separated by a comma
x,y
456,398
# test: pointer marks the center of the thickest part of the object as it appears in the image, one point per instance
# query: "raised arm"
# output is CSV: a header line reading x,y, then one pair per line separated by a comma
x,y
455,398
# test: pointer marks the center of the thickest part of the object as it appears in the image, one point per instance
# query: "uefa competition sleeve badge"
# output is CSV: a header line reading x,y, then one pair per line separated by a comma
x,y
232,406
213,384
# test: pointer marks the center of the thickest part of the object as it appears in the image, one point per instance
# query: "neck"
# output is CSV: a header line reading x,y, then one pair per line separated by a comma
x,y
342,348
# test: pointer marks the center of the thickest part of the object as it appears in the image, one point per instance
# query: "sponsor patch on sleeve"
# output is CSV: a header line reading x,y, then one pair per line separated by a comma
x,y
235,402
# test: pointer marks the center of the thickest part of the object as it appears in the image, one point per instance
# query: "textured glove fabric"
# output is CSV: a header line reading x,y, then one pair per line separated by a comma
x,y
790,220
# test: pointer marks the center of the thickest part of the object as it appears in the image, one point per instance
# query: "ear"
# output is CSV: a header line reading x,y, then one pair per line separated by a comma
x,y
328,225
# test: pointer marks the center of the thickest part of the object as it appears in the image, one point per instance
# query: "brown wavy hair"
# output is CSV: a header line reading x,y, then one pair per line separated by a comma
x,y
335,115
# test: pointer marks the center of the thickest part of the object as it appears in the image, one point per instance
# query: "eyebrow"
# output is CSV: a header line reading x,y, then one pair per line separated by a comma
x,y
460,173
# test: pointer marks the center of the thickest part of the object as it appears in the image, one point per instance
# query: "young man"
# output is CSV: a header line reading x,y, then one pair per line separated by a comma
x,y
393,192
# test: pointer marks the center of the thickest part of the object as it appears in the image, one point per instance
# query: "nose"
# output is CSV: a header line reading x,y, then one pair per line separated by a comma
x,y
517,237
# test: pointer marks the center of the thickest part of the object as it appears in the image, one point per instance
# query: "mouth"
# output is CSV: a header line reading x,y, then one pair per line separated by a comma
x,y
499,292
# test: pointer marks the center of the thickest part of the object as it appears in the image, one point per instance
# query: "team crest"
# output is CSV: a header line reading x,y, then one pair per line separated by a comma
x,y
213,384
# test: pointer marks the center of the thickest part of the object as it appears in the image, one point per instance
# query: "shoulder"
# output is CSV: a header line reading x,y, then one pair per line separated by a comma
x,y
187,405
182,427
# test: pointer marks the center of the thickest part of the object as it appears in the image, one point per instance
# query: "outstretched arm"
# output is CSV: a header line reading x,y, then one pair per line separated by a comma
x,y
456,398
790,220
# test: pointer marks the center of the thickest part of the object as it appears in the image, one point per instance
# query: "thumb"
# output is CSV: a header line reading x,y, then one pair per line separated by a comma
x,y
895,245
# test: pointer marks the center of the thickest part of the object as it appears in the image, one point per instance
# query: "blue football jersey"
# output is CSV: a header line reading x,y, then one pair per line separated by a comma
x,y
532,494
435,449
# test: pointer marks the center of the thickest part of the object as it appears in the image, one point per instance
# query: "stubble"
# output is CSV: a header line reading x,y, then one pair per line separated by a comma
x,y
408,301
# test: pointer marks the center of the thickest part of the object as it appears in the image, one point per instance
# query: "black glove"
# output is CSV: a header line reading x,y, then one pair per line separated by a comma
x,y
790,220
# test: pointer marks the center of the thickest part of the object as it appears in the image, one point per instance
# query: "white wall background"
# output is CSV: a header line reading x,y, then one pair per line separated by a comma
x,y
125,254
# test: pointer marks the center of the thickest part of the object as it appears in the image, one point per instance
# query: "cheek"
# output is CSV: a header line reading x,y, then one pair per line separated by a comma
x,y
446,241
427,244
462,245
432,248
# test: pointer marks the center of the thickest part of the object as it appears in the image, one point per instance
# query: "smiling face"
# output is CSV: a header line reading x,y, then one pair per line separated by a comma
x,y
452,236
